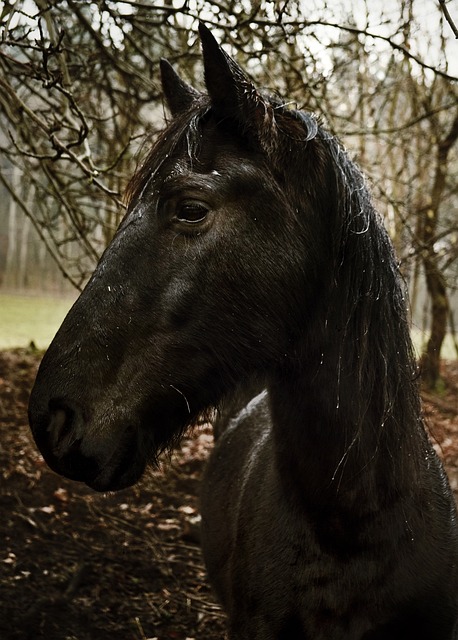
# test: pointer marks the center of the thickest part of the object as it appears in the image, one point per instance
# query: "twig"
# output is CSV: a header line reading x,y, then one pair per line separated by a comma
x,y
448,17
140,628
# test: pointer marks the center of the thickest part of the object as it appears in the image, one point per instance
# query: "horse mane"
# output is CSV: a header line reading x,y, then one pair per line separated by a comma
x,y
376,350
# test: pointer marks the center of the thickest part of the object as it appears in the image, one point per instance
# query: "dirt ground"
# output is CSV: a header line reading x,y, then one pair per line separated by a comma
x,y
75,565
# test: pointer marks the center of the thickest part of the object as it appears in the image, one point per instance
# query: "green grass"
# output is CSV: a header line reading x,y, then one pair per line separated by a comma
x,y
26,318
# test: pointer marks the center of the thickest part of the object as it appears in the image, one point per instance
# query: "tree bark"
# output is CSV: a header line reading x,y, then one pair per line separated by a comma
x,y
435,280
437,290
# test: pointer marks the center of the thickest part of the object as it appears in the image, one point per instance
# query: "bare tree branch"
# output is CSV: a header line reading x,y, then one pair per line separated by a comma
x,y
448,17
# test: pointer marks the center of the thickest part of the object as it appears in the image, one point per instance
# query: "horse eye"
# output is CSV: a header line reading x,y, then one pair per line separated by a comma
x,y
191,211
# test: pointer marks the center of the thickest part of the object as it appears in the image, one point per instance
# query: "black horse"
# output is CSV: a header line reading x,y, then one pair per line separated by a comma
x,y
251,256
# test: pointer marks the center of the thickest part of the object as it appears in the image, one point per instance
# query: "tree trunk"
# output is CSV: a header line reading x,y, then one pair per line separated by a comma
x,y
435,280
10,279
437,289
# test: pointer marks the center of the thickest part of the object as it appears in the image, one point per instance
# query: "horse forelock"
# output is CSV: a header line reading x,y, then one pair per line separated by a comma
x,y
280,133
185,128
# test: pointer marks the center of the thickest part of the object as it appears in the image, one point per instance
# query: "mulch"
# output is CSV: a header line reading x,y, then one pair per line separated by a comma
x,y
76,565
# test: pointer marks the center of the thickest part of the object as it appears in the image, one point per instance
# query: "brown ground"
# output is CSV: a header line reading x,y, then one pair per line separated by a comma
x,y
75,565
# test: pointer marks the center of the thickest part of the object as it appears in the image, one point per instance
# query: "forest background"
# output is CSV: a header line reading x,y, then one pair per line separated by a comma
x,y
80,99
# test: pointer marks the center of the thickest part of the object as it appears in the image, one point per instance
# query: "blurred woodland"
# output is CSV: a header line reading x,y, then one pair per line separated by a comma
x,y
80,97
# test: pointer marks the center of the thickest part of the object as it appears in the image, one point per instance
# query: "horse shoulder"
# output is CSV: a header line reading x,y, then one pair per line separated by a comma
x,y
249,517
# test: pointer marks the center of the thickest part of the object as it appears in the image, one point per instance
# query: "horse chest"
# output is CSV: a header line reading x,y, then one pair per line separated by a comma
x,y
284,572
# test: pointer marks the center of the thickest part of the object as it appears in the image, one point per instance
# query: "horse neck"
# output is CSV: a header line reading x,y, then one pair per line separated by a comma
x,y
346,415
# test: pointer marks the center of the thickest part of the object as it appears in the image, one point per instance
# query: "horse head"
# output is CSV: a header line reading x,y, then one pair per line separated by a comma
x,y
207,282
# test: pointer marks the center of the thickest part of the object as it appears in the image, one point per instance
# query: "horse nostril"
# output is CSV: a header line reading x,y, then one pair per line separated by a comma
x,y
59,429
61,426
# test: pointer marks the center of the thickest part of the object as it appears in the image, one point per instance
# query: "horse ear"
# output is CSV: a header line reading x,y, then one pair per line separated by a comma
x,y
178,94
232,94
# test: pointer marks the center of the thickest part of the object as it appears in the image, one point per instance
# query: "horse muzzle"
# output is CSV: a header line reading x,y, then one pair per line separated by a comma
x,y
76,447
